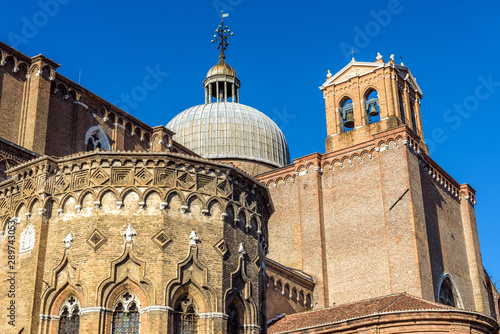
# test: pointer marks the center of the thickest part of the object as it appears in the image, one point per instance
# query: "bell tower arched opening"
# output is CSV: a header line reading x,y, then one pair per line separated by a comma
x,y
372,107
347,114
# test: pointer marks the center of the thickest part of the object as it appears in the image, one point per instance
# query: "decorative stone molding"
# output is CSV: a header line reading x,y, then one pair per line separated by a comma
x,y
161,239
221,247
96,239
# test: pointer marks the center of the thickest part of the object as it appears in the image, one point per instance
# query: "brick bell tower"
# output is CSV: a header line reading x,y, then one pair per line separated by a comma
x,y
365,98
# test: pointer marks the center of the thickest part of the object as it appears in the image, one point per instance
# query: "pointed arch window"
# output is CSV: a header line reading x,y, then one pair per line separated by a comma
x,y
234,321
402,108
69,317
186,316
96,138
448,294
413,118
126,316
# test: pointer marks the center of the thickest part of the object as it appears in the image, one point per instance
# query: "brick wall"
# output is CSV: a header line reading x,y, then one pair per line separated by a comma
x,y
215,270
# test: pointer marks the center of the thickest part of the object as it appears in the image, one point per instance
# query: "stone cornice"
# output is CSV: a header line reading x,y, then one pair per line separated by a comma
x,y
381,142
100,171
290,274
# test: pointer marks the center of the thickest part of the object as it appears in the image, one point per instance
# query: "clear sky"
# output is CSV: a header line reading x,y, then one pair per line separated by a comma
x,y
281,51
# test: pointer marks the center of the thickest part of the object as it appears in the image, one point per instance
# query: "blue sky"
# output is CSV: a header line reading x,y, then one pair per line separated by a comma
x,y
282,51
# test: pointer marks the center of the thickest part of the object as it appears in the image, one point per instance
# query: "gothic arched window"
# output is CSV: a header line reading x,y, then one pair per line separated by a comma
x,y
96,138
402,108
69,317
235,320
186,316
126,315
347,115
372,107
413,118
446,294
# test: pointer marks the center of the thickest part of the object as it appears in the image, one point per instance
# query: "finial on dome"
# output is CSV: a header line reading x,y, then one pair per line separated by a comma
x,y
222,34
221,83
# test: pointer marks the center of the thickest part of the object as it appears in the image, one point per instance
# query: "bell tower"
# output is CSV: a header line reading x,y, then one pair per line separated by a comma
x,y
365,98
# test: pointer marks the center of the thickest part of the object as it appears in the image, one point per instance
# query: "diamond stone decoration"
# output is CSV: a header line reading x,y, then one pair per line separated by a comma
x,y
161,239
221,247
96,239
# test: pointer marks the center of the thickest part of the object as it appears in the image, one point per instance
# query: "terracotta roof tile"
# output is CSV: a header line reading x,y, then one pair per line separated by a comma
x,y
391,303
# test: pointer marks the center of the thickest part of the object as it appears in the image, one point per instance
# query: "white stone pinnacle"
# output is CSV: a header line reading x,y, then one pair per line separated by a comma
x,y
194,238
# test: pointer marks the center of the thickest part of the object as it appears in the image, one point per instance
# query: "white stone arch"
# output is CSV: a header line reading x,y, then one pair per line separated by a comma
x,y
102,138
27,239
458,298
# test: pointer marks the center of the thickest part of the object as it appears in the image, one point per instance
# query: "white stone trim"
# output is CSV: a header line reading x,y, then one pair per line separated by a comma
x,y
81,104
257,327
48,317
156,308
93,309
213,315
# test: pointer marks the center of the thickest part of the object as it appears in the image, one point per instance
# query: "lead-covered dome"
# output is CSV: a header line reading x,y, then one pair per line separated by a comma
x,y
221,68
223,130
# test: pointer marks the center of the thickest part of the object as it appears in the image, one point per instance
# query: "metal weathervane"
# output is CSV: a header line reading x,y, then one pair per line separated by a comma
x,y
222,35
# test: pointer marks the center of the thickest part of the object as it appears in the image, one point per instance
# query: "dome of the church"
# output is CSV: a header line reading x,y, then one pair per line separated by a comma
x,y
225,130
221,68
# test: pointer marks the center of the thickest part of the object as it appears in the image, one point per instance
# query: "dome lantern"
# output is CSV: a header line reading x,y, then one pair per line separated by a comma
x,y
221,83
223,129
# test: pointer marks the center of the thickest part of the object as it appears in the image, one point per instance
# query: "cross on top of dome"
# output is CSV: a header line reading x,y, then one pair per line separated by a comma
x,y
222,35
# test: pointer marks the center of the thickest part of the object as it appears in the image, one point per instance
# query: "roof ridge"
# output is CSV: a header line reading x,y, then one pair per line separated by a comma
x,y
392,303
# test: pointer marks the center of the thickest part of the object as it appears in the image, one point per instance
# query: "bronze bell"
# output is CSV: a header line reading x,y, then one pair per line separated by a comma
x,y
349,120
373,111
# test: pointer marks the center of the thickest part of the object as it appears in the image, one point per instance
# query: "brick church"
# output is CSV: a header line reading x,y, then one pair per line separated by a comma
x,y
110,225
